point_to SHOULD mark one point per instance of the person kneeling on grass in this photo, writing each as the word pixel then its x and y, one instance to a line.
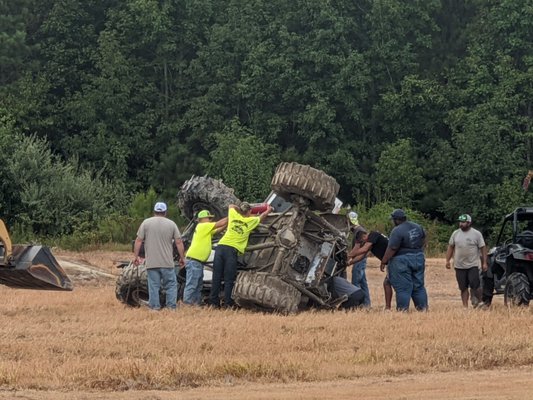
pixel 376 243
pixel 355 295
pixel 198 253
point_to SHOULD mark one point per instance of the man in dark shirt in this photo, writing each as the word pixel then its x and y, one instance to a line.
pixel 376 243
pixel 406 261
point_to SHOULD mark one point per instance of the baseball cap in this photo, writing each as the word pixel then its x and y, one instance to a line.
pixel 464 218
pixel 245 206
pixel 398 214
pixel 160 207
pixel 205 214
pixel 352 215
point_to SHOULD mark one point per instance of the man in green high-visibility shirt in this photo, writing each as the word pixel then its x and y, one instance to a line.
pixel 198 253
pixel 233 243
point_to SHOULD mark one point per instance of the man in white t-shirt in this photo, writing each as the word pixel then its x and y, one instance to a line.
pixel 469 253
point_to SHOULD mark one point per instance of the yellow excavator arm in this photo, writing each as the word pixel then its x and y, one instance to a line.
pixel 6 242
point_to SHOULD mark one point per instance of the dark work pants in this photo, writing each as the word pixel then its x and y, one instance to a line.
pixel 356 299
pixel 224 266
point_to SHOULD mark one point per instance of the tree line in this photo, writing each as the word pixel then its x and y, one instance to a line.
pixel 425 104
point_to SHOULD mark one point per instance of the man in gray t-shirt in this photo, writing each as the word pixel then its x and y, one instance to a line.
pixel 159 234
pixel 469 253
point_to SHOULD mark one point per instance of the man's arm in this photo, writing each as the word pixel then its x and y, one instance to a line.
pixel 264 214
pixel 359 252
pixel 449 255
pixel 136 250
pixel 389 253
pixel 356 259
pixel 181 251
pixel 221 224
pixel 484 257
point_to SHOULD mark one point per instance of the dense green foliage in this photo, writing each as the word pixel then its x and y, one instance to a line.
pixel 425 104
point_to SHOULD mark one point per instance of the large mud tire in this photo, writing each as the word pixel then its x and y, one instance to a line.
pixel 132 286
pixel 517 290
pixel 303 180
pixel 205 193
pixel 266 292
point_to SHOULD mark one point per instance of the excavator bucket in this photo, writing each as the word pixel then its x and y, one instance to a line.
pixel 33 267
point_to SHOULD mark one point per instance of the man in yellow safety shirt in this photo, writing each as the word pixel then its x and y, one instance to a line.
pixel 240 224
pixel 198 253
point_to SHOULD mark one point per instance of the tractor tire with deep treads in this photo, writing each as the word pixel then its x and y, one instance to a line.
pixel 132 286
pixel 266 292
pixel 205 193
pixel 303 180
pixel 517 290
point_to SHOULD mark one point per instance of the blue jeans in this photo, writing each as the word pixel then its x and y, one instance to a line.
pixel 359 279
pixel 224 266
pixel 170 286
pixel 406 275
pixel 194 281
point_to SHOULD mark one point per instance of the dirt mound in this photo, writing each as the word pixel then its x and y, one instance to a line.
pixel 92 268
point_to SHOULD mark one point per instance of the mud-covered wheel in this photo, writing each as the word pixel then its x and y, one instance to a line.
pixel 517 290
pixel 132 286
pixel 263 291
pixel 205 193
pixel 313 184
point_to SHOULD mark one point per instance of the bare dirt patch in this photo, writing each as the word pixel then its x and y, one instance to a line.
pixel 92 268
pixel 498 384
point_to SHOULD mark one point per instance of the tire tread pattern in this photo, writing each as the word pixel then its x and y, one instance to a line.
pixel 517 290
pixel 306 181
pixel 205 191
pixel 266 291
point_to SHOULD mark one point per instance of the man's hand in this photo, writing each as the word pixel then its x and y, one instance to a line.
pixel 484 267
pixel 181 262
pixel 137 260
pixel 382 267
pixel 448 265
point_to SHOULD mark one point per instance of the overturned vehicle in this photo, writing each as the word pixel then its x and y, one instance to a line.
pixel 511 261
pixel 291 258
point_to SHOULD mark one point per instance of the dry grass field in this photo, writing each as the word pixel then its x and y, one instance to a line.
pixel 85 344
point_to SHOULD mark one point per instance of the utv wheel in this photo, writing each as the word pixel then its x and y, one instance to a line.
pixel 263 291
pixel 303 180
pixel 205 193
pixel 132 287
pixel 517 290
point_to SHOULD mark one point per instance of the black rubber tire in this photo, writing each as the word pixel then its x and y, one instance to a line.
pixel 303 180
pixel 266 292
pixel 517 290
pixel 132 287
pixel 205 193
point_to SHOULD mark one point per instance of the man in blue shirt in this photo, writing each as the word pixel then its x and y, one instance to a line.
pixel 407 264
